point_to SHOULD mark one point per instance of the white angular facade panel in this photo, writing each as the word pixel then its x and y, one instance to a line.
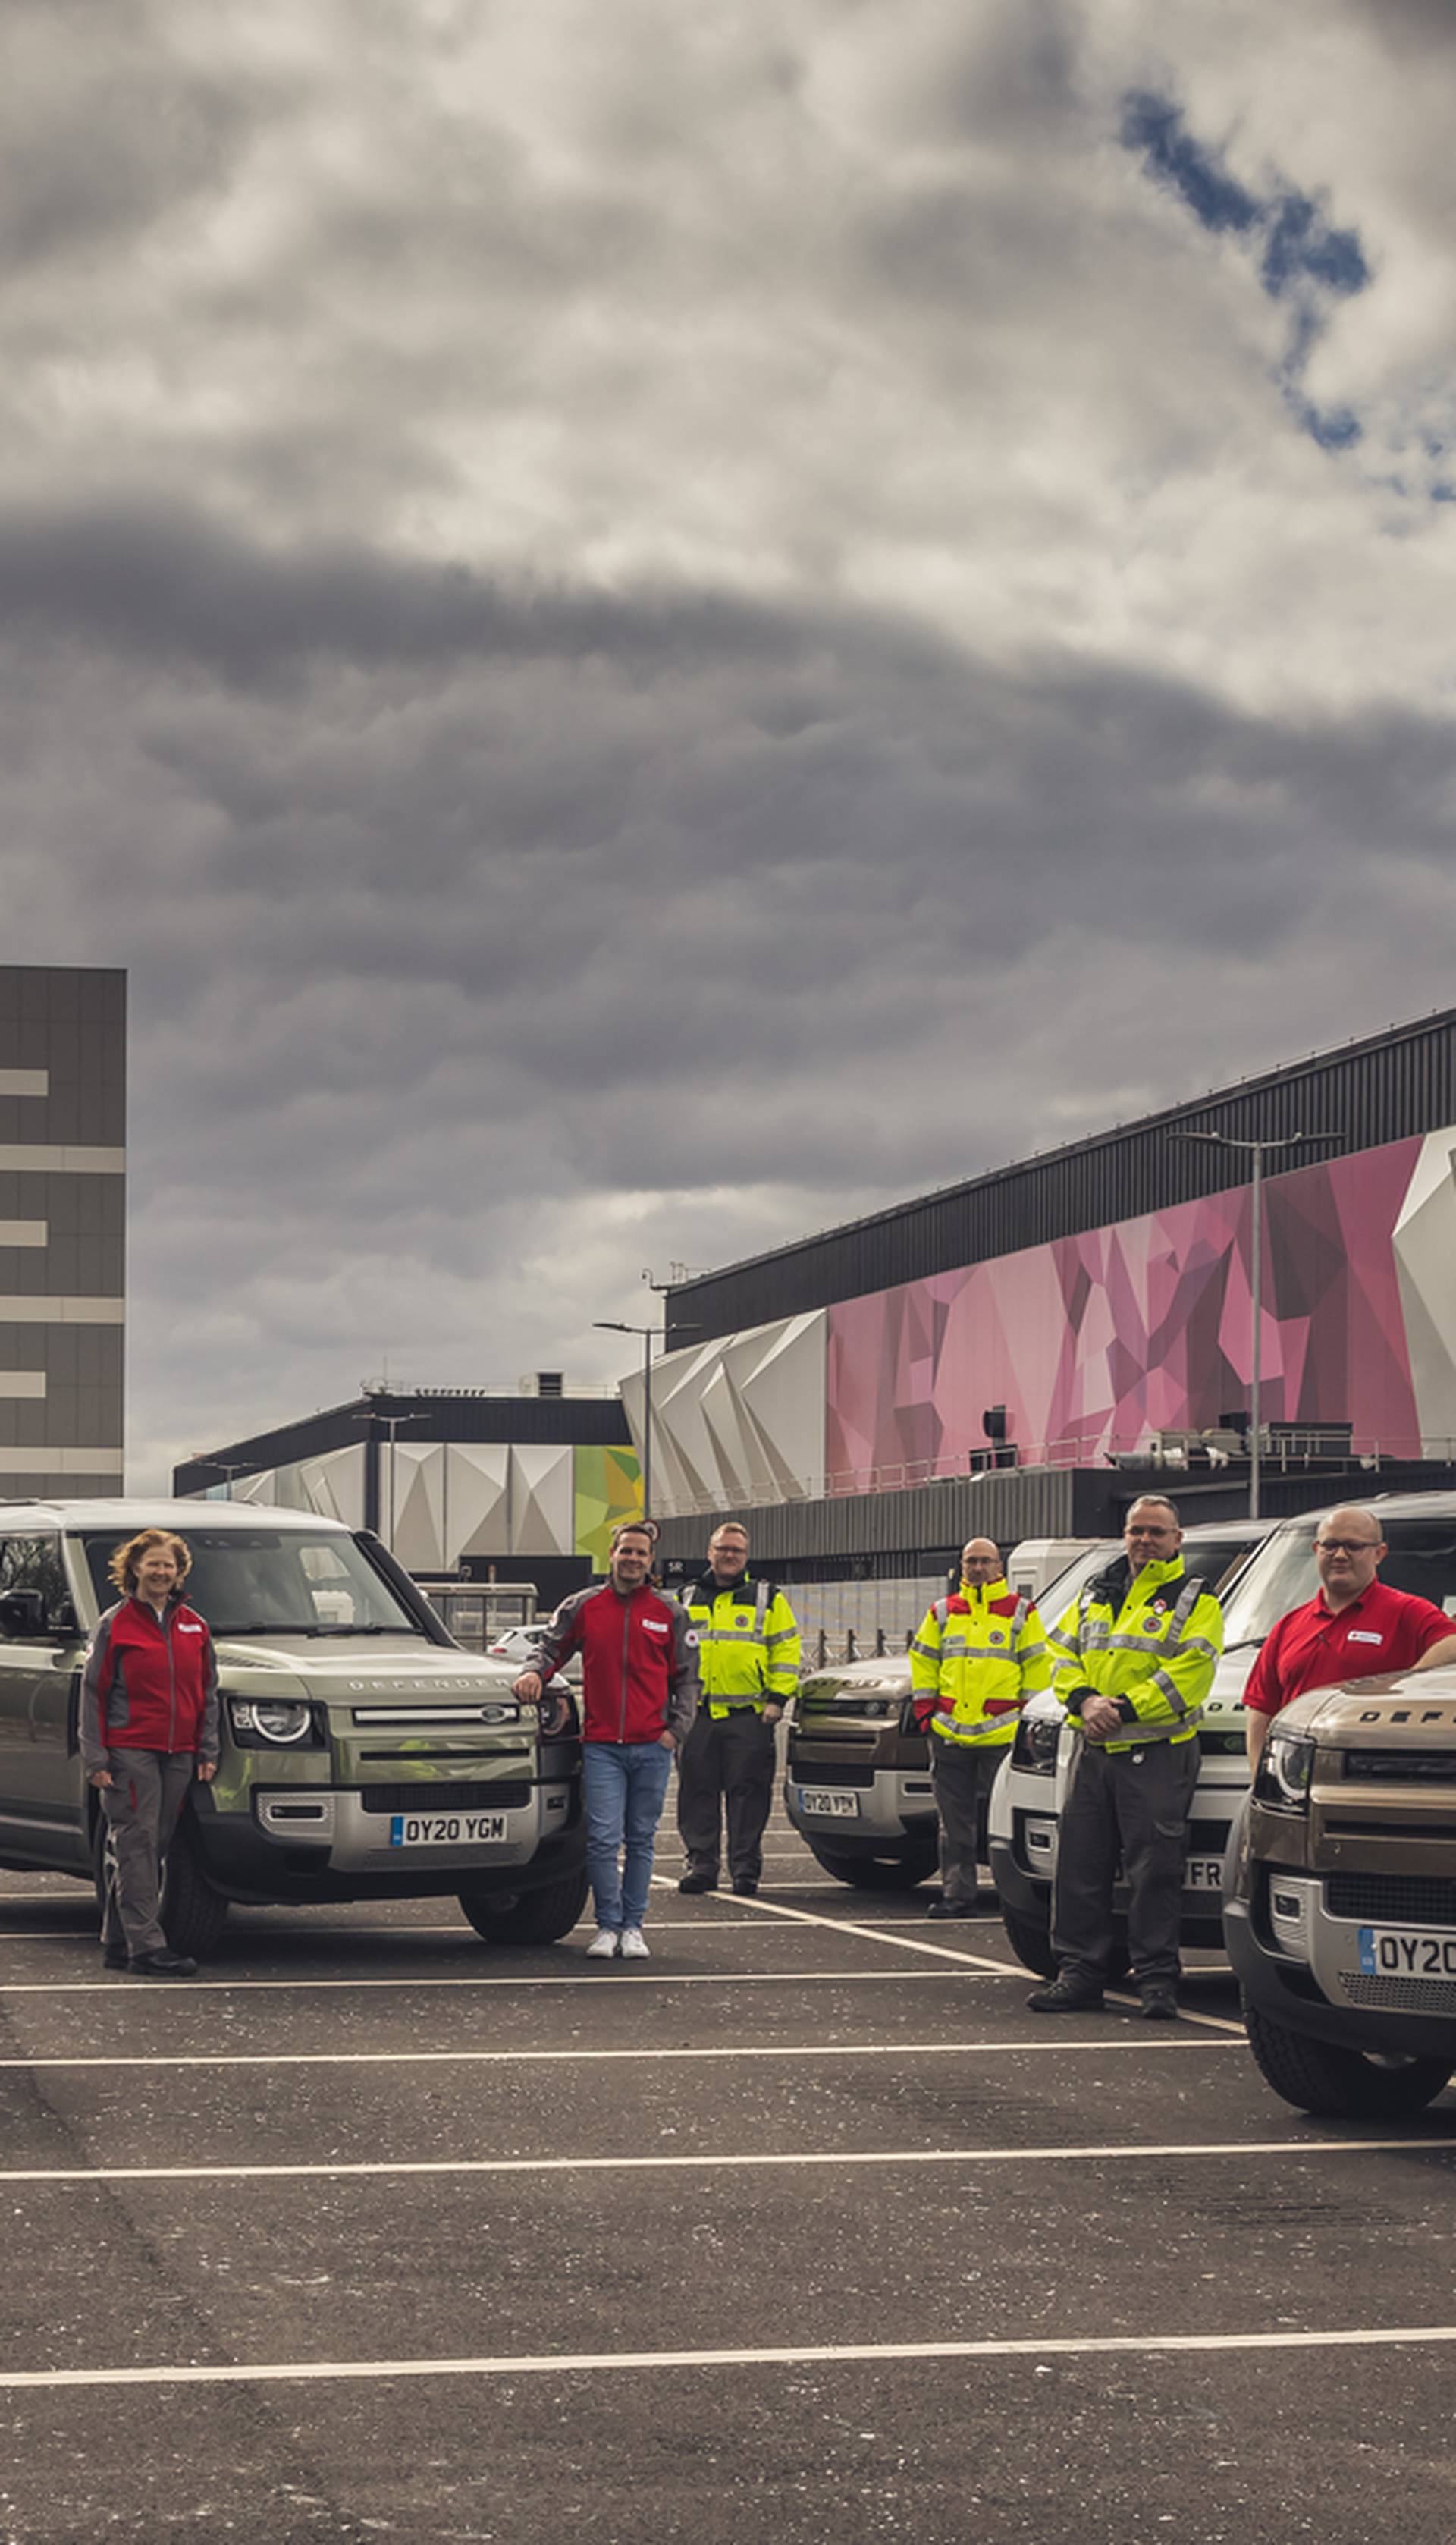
pixel 411 1480
pixel 542 1499
pixel 476 1479
pixel 737 1420
pixel 1424 1248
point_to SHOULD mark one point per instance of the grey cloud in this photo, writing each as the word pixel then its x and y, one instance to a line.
pixel 614 660
pixel 104 129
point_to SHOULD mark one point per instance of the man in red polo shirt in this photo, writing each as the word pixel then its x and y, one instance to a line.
pixel 1354 1627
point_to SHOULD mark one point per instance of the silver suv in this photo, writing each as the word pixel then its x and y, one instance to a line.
pixel 365 1756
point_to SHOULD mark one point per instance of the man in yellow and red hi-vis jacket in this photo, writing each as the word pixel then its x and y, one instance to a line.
pixel 979 1655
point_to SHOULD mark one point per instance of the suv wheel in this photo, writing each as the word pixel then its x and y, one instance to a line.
pixel 1341 2085
pixel 192 1913
pixel 1030 1941
pixel 875 1872
pixel 542 1917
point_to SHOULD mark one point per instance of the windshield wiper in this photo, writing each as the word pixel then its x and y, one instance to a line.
pixel 370 1629
pixel 264 1626
pixel 295 1626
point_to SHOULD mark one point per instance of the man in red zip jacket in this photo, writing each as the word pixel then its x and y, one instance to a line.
pixel 639 1695
pixel 148 1724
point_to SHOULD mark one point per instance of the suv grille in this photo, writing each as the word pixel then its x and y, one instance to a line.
pixel 835 1771
pixel 1392 1899
pixel 445 1798
pixel 1408 1996
pixel 1401 1766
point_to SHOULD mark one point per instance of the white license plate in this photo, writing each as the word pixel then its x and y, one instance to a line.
pixel 445 1829
pixel 1204 1874
pixel 1408 1953
pixel 829 1802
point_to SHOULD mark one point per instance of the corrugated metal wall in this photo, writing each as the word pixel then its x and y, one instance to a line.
pixel 1397 1083
pixel 1031 1502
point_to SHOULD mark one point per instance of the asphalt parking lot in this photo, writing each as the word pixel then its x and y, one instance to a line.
pixel 806 2230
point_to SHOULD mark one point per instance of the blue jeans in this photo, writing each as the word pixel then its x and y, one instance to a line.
pixel 624 1785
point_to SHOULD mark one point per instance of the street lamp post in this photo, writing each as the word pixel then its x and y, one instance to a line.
pixel 1256 1151
pixel 650 1335
pixel 392 1423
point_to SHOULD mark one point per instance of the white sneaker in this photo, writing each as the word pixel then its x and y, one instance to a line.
pixel 634 1945
pixel 605 1946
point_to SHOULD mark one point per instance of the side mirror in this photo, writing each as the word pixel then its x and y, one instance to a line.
pixel 22 1613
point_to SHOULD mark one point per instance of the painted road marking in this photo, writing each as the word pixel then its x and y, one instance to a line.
pixel 758 2159
pixel 969 1962
pixel 576 2364
pixel 633 1977
pixel 1121 2042
pixel 257 1937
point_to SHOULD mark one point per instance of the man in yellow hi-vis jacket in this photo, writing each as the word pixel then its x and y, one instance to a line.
pixel 1135 1659
pixel 749 1663
pixel 980 1653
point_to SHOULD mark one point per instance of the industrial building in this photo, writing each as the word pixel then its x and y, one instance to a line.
pixel 1021 1353
pixel 62 1229
pixel 487 1484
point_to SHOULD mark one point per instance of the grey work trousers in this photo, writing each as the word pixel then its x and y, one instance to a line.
pixel 726 1766
pixel 961 1777
pixel 1132 1803
pixel 141 1804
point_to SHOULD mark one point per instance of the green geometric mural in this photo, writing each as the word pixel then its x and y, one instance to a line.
pixel 608 1490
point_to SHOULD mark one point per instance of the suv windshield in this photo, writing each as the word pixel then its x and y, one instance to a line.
pixel 1282 1576
pixel 1214 1560
pixel 274 1582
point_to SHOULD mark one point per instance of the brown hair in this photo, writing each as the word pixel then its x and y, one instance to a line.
pixel 124 1564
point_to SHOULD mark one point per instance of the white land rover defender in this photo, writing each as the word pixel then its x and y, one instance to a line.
pixel 1027 1797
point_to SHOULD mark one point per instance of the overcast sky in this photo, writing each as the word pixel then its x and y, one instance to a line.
pixel 650 626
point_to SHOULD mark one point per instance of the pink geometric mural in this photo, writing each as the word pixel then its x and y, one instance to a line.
pixel 1096 1341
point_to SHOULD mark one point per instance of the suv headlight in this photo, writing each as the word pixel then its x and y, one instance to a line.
pixel 274 1723
pixel 1036 1746
pixel 1285 1770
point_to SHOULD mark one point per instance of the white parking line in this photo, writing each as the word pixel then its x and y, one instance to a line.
pixel 981 1962
pixel 601 1975
pixel 758 2159
pixel 1122 2041
pixel 452 1927
pixel 576 2364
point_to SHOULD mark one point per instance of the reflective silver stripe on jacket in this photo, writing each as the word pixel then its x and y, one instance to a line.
pixel 1141 1736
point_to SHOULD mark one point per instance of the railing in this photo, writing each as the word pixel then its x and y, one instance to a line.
pixel 857 1646
pixel 1284 1448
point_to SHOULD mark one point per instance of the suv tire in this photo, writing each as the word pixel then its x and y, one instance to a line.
pixel 192 1913
pixel 1338 2083
pixel 541 1917
pixel 875 1872
pixel 1030 1941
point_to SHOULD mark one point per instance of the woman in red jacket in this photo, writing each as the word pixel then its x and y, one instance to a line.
pixel 148 1724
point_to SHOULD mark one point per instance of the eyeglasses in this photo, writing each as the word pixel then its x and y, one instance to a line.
pixel 1344 1545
